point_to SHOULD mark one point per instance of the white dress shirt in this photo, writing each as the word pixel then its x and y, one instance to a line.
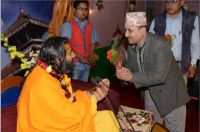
pixel 174 28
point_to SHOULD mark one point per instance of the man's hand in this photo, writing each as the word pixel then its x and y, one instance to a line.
pixel 191 71
pixel 92 59
pixel 102 89
pixel 82 59
pixel 124 74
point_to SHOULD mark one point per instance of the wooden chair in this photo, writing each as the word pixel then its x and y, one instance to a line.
pixel 10 82
pixel 157 127
pixel 10 90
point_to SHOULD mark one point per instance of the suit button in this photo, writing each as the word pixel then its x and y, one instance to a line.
pixel 160 91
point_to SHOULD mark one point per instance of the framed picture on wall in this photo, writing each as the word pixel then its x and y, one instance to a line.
pixel 131 6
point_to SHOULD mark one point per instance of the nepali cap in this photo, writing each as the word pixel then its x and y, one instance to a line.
pixel 136 19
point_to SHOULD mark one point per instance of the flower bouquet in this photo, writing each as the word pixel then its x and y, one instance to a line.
pixel 92 59
pixel 117 53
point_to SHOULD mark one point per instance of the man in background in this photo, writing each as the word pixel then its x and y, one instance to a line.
pixel 183 26
pixel 83 38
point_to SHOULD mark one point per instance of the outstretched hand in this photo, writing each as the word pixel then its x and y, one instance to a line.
pixel 102 89
pixel 83 59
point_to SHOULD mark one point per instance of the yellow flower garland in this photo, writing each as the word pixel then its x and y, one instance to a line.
pixel 26 64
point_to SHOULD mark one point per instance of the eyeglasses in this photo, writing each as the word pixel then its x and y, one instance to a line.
pixel 171 1
pixel 82 9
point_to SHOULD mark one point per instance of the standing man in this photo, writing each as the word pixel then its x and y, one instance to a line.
pixel 183 26
pixel 151 66
pixel 82 37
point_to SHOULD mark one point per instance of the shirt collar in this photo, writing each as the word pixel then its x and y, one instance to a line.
pixel 180 15
pixel 135 48
pixel 80 22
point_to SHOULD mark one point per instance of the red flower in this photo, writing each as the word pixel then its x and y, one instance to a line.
pixel 109 54
pixel 116 56
pixel 168 38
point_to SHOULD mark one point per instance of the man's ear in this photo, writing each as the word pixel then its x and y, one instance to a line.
pixel 74 10
pixel 143 29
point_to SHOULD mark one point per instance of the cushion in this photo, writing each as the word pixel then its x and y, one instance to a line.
pixel 10 96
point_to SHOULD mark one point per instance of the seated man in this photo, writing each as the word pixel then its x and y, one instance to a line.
pixel 48 102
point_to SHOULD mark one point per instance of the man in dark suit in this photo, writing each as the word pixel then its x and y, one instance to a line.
pixel 150 65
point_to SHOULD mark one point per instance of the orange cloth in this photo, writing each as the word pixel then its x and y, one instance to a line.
pixel 62 11
pixel 42 106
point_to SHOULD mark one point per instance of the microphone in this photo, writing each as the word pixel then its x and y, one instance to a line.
pixel 96 80
pixel 93 80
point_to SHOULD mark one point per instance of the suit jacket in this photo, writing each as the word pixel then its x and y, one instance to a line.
pixel 161 76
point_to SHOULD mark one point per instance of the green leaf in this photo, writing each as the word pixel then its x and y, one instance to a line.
pixel 145 122
pixel 139 124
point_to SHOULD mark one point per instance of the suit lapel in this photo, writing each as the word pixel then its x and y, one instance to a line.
pixel 147 48
pixel 133 59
